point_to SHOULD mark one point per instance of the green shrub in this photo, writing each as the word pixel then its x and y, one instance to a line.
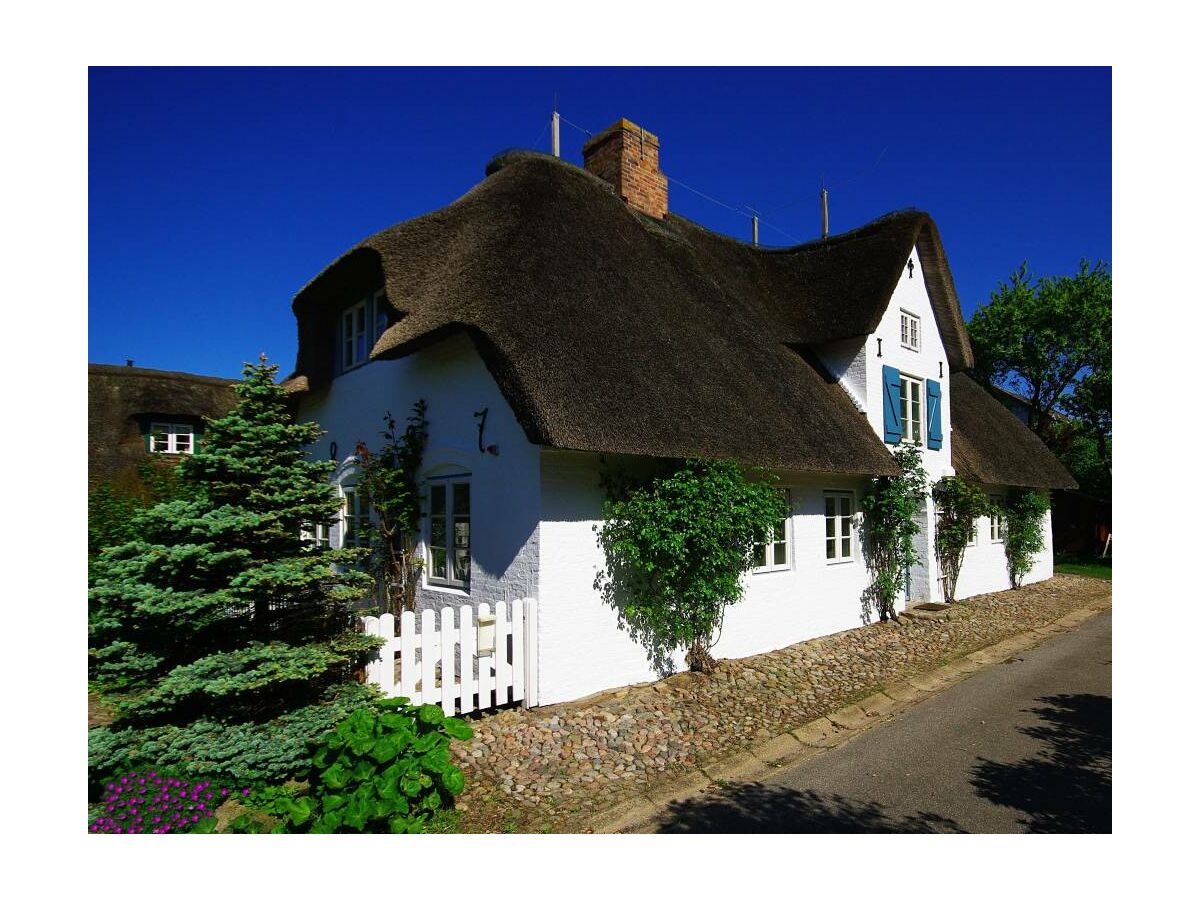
pixel 385 768
pixel 891 507
pixel 960 504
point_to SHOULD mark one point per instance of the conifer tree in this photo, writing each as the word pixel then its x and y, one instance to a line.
pixel 219 633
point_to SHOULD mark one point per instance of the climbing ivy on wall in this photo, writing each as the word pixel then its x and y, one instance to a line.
pixel 389 477
pixel 1023 510
pixel 891 506
pixel 960 505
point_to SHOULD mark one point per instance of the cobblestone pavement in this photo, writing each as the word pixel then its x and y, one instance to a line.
pixel 553 768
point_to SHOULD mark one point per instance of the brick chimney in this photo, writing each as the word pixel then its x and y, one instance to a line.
pixel 626 156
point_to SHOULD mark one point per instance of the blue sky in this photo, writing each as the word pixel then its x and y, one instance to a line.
pixel 216 194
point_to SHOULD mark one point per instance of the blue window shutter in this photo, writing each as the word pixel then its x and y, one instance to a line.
pixel 891 405
pixel 933 390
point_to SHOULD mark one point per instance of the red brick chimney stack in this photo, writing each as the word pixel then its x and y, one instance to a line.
pixel 626 156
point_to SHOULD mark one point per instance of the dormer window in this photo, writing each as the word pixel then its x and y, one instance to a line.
pixel 362 324
pixel 910 331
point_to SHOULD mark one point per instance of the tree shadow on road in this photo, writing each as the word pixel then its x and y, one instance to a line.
pixel 756 808
pixel 1067 786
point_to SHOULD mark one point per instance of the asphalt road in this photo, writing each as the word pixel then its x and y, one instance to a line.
pixel 1024 746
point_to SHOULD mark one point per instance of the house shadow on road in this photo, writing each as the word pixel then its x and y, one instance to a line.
pixel 756 808
pixel 1067 785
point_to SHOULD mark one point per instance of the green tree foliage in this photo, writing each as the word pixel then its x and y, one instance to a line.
pixel 1024 511
pixel 218 618
pixel 960 505
pixel 113 505
pixel 677 546
pixel 891 507
pixel 1051 341
pixel 390 479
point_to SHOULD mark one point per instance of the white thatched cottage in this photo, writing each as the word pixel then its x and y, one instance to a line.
pixel 595 327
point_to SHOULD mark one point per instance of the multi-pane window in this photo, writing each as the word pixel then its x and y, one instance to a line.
pixel 839 526
pixel 356 517
pixel 317 536
pixel 172 438
pixel 910 331
pixel 974 538
pixel 771 552
pixel 450 533
pixel 997 519
pixel 910 409
pixel 362 324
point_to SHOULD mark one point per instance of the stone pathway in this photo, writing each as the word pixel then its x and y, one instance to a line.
pixel 556 768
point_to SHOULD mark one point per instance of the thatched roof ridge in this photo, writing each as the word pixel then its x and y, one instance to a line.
pixel 611 331
pixel 991 446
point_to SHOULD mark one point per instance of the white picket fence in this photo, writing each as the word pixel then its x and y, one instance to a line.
pixel 463 665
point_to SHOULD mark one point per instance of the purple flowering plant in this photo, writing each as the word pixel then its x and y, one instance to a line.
pixel 157 803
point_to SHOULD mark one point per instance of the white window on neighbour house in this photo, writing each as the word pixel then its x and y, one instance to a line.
pixel 771 553
pixel 449 536
pixel 362 325
pixel 910 409
pixel 910 331
pixel 839 526
pixel 172 438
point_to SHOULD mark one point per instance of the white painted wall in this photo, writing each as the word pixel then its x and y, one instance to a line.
pixel 505 492
pixel 583 649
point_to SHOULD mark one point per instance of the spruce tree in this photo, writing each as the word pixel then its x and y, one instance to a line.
pixel 222 637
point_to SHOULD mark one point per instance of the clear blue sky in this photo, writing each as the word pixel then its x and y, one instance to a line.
pixel 216 194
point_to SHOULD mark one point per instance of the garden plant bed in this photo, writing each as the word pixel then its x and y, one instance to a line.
pixel 557 768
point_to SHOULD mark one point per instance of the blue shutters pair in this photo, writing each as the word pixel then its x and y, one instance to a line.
pixel 892 413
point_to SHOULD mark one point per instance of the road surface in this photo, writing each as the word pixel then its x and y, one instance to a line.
pixel 1023 746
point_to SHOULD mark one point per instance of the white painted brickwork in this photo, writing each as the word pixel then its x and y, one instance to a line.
pixel 505 506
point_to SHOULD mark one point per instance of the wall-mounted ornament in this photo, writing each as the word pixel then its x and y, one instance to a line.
pixel 481 415
pixel 879 346
pixel 333 449
pixel 911 265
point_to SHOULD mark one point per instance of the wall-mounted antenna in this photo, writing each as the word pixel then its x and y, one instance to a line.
pixel 824 211
pixel 554 129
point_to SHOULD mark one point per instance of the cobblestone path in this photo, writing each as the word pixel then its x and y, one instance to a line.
pixel 552 768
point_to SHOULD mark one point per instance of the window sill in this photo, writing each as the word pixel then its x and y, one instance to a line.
pixel 770 570
pixel 841 562
pixel 456 590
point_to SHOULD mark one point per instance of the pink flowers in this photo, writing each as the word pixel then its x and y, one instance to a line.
pixel 151 804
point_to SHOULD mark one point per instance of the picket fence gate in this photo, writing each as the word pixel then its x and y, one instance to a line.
pixel 463 666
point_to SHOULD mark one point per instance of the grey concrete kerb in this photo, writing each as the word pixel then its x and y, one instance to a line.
pixel 827 732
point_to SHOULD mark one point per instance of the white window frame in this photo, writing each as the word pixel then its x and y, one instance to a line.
pixel 773 540
pixel 910 331
pixel 912 391
pixel 355 343
pixel 843 529
pixel 318 535
pixel 173 431
pixel 973 540
pixel 360 534
pixel 996 520
pixel 452 486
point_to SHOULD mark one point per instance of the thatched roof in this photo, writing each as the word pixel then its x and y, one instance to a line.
pixel 990 445
pixel 123 399
pixel 611 331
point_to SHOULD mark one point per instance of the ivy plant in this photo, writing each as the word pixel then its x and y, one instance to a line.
pixel 384 768
pixel 960 504
pixel 1024 511
pixel 677 545
pixel 389 477
pixel 891 507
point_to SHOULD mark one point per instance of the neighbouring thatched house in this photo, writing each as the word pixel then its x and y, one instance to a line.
pixel 135 415
pixel 559 320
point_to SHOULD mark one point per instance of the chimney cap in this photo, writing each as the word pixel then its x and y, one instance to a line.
pixel 619 126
